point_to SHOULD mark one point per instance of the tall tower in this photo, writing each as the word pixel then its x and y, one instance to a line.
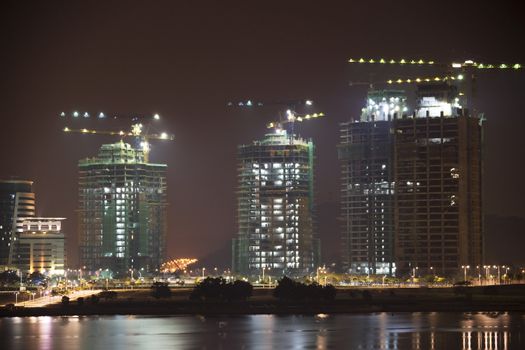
pixel 17 200
pixel 437 172
pixel 275 207
pixel 367 185
pixel 122 210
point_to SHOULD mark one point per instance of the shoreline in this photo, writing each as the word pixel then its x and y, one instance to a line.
pixel 209 309
pixel 510 298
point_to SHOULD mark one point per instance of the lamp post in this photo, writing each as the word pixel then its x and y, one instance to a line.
pixel 16 298
pixel 497 270
pixel 479 274
pixel 465 268
pixel 203 269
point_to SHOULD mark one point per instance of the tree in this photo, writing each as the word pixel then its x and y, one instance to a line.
pixel 9 277
pixel 108 294
pixel 65 301
pixel 219 289
pixel 160 290
pixel 288 289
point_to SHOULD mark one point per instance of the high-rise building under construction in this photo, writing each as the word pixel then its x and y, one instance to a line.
pixel 437 172
pixel 367 188
pixel 417 178
pixel 122 210
pixel 275 207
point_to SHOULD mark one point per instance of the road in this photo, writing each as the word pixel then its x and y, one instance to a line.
pixel 47 300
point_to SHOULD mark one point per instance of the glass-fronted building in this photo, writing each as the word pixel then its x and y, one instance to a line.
pixel 17 200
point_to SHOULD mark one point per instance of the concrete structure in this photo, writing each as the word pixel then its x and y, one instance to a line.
pixel 122 210
pixel 437 171
pixel 17 200
pixel 275 207
pixel 411 185
pixel 41 246
pixel 367 185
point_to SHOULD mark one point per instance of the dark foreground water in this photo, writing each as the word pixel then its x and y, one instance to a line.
pixel 356 331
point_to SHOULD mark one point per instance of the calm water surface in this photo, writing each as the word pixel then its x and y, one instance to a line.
pixel 361 331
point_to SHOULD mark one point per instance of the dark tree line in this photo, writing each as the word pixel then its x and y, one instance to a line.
pixel 220 289
pixel 288 289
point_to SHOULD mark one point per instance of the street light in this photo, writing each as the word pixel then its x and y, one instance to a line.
pixel 203 269
pixel 465 268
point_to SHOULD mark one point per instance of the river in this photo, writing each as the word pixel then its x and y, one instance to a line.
pixel 350 331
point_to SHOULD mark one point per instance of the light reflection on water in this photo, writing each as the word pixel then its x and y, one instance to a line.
pixel 357 331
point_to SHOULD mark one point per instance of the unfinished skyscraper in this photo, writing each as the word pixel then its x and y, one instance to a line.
pixel 275 207
pixel 367 185
pixel 437 172
pixel 411 185
pixel 122 210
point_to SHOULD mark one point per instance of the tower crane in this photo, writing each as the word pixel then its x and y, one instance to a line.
pixel 139 129
pixel 461 72
pixel 290 115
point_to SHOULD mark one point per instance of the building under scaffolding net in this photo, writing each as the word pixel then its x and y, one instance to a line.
pixel 122 210
pixel 275 207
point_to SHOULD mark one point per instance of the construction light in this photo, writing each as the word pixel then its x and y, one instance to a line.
pixel 460 77
pixel 66 129
pixel 101 115
pixel 361 60
pixel 351 60
pixel 85 130
pixel 86 115
pixel 371 61
pixel 164 136
pixel 309 102
pixel 382 61
pixel 402 61
pixel 63 114
pixel 503 66
pixel 75 114
pixel 516 66
pixel 392 62
pixel 421 62
pixel 156 117
pixel 321 114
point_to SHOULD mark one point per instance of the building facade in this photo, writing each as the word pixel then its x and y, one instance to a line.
pixel 41 246
pixel 275 207
pixel 367 185
pixel 17 200
pixel 437 172
pixel 122 210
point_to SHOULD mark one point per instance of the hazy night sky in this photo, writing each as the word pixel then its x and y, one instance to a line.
pixel 186 62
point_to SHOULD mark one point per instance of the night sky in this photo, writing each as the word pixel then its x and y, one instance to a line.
pixel 186 60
